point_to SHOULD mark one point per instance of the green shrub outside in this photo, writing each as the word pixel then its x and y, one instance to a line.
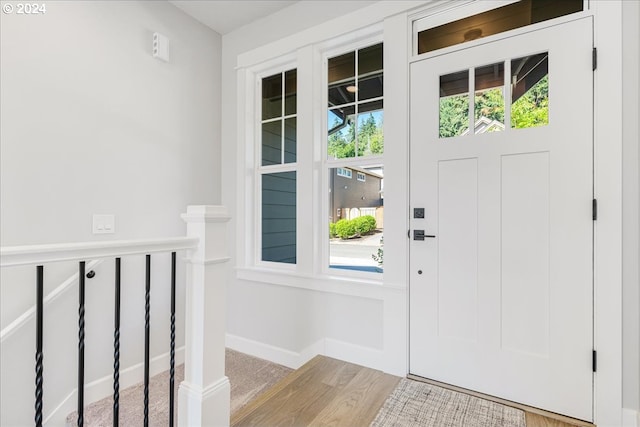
pixel 346 228
pixel 361 225
pixel 372 222
pixel 332 230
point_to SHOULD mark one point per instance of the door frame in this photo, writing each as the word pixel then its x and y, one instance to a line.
pixel 607 135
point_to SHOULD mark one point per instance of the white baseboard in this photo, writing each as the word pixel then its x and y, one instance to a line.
pixel 352 353
pixel 281 356
pixel 630 418
pixel 365 356
pixel 204 407
pixel 103 387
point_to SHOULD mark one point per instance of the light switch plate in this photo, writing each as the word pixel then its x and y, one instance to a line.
pixel 104 224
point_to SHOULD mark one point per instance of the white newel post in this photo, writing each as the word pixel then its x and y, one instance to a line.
pixel 203 397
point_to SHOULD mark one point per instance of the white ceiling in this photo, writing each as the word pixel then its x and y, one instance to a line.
pixel 226 16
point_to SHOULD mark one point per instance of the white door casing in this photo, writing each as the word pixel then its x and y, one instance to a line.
pixel 504 301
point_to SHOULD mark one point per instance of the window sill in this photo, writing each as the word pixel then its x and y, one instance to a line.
pixel 342 285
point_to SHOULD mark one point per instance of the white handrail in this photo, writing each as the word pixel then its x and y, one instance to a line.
pixel 52 296
pixel 11 256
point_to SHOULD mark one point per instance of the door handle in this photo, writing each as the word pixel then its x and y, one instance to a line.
pixel 419 235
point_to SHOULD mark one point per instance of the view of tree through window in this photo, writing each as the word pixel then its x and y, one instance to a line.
pixel 370 136
pixel 532 109
pixel 529 97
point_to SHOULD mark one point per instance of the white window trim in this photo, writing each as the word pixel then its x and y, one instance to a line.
pixel 327 164
pixel 361 177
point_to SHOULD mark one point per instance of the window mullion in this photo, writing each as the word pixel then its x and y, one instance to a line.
pixel 357 98
pixel 282 111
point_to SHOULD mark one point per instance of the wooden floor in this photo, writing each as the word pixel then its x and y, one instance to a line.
pixel 327 391
pixel 324 391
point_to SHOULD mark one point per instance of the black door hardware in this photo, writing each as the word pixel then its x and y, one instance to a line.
pixel 419 235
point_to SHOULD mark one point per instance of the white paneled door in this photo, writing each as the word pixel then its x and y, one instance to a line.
pixel 501 292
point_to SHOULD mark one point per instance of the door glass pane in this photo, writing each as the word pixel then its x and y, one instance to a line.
pixel 290 127
pixel 530 91
pixel 489 102
pixel 356 218
pixel 272 143
pixel 454 104
pixel 272 97
pixel 279 217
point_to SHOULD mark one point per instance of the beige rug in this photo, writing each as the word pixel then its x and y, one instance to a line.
pixel 414 403
pixel 249 376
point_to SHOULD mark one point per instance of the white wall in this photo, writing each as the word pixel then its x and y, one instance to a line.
pixel 630 203
pixel 91 123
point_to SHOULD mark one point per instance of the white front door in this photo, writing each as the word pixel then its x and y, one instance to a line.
pixel 501 297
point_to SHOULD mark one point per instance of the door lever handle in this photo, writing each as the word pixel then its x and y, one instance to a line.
pixel 419 235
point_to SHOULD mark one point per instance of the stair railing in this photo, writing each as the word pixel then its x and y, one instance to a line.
pixel 204 395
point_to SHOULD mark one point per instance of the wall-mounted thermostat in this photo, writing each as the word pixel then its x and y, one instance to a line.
pixel 160 47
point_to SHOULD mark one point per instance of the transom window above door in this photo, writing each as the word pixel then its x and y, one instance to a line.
pixel 516 15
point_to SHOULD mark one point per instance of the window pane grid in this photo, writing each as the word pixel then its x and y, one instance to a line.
pixel 355 102
pixel 277 119
pixel 279 146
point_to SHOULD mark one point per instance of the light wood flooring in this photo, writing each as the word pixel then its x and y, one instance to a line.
pixel 326 392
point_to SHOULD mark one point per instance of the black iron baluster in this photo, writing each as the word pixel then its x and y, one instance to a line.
pixel 81 277
pixel 39 366
pixel 146 339
pixel 172 361
pixel 116 350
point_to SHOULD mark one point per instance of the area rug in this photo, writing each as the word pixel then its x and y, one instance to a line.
pixel 414 403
